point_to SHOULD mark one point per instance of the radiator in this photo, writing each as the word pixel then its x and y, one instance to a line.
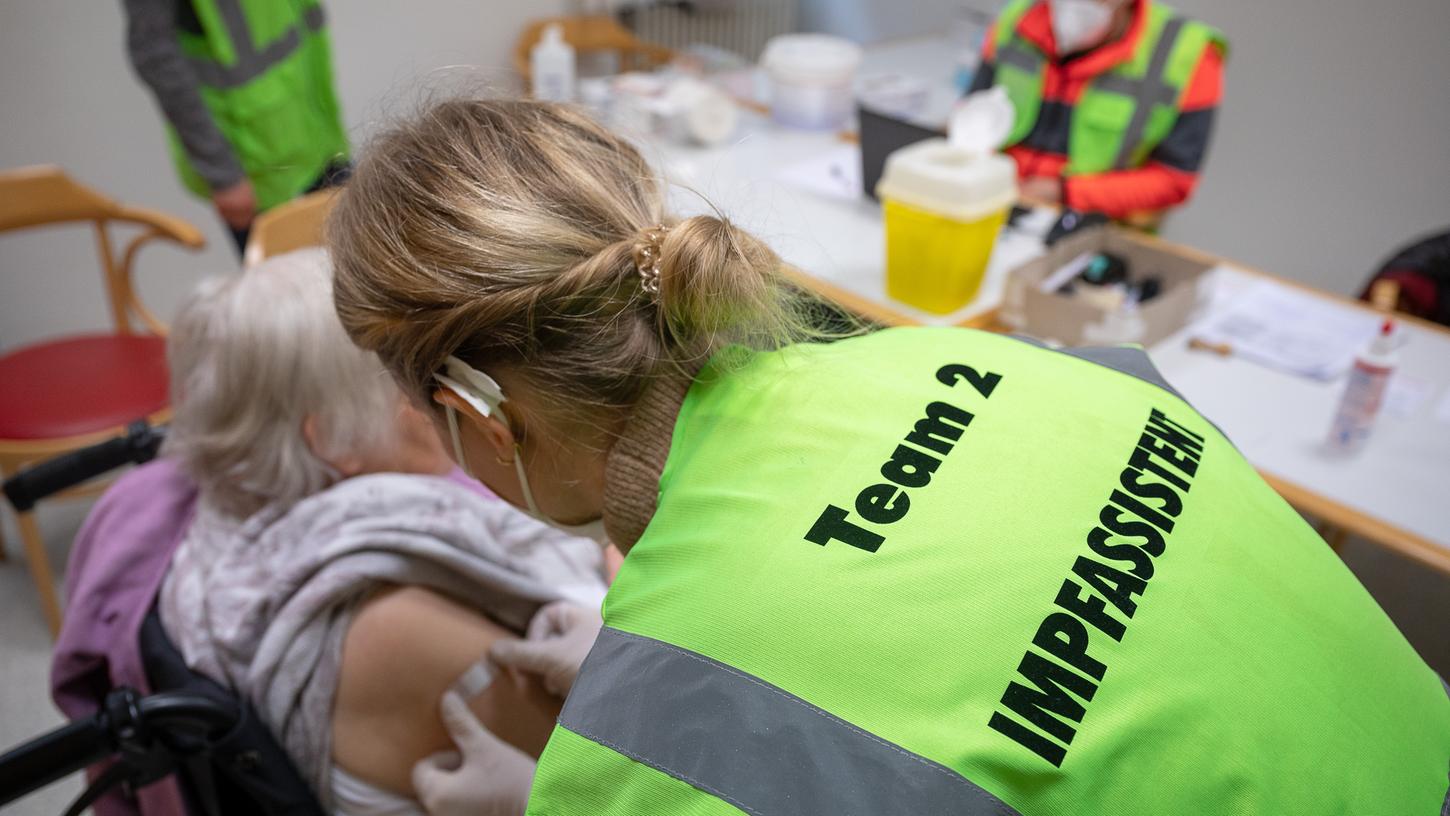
pixel 742 26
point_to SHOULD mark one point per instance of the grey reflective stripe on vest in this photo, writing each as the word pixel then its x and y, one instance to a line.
pixel 1129 360
pixel 1134 362
pixel 1445 806
pixel 251 63
pixel 1023 59
pixel 749 743
pixel 1150 90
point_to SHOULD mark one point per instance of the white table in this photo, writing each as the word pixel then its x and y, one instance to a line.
pixel 1394 492
pixel 839 243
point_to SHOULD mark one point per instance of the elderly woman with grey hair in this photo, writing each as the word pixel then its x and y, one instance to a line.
pixel 336 573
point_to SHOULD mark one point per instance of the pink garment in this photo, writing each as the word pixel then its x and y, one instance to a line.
pixel 117 563
pixel 115 570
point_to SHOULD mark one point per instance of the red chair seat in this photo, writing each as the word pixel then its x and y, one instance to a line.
pixel 83 384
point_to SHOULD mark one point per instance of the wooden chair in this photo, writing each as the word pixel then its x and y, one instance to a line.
pixel 591 34
pixel 63 394
pixel 296 224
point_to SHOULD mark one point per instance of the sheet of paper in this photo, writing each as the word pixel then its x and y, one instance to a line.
pixel 1290 330
pixel 1405 394
pixel 834 174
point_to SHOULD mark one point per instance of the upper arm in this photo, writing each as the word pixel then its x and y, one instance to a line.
pixel 150 36
pixel 405 647
pixel 1205 86
pixel 989 43
pixel 1185 146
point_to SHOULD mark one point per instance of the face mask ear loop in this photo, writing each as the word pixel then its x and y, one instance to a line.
pixel 524 483
pixel 457 441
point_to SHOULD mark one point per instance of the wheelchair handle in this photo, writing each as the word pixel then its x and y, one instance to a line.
pixel 137 445
pixel 128 723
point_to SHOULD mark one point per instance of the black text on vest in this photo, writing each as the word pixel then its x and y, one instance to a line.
pixel 1051 690
pixel 910 466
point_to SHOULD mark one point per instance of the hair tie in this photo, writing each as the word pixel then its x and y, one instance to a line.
pixel 647 258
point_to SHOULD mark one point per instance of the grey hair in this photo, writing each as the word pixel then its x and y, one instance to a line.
pixel 253 356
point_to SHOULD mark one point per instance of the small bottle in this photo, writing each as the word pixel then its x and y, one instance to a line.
pixel 1364 392
pixel 553 66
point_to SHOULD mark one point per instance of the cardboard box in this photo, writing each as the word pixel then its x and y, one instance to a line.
pixel 1074 322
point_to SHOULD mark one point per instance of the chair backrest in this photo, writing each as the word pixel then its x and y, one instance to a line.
pixel 31 196
pixel 296 224
pixel 590 34
pixel 40 195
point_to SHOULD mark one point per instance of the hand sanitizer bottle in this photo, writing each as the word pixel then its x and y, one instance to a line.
pixel 553 66
pixel 1364 393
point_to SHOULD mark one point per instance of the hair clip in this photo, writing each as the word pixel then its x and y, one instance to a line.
pixel 647 259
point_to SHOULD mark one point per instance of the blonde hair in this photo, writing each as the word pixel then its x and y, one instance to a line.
pixel 512 232
pixel 252 357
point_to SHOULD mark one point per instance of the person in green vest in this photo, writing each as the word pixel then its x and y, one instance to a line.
pixel 921 570
pixel 1115 101
pixel 246 88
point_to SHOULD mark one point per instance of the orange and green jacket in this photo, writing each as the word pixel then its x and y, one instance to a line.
pixel 1170 171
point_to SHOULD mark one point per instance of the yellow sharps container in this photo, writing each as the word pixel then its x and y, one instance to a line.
pixel 943 207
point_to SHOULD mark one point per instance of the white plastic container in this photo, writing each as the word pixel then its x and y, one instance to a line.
pixel 695 112
pixel 1364 393
pixel 680 109
pixel 552 64
pixel 810 79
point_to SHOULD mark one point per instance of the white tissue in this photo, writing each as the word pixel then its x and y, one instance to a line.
pixel 981 122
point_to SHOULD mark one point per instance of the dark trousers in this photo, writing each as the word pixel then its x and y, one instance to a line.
pixel 335 174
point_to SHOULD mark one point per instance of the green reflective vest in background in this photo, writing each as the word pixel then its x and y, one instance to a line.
pixel 265 72
pixel 935 571
pixel 1123 114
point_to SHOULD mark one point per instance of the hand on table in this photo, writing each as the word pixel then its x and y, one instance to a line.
pixel 237 204
pixel 559 638
pixel 1042 190
pixel 484 777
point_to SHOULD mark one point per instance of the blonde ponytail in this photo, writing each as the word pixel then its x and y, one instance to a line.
pixel 514 234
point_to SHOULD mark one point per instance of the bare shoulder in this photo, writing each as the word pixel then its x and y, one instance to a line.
pixel 410 641
pixel 405 647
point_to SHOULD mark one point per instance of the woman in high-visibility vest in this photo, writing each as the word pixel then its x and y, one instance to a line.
pixel 914 571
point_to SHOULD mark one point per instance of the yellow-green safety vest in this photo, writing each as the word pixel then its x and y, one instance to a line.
pixel 265 71
pixel 1122 114
pixel 937 571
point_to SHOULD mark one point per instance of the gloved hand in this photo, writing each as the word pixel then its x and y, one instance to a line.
pixel 558 640
pixel 484 777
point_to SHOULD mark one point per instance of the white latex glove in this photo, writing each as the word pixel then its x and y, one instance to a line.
pixel 558 640
pixel 484 777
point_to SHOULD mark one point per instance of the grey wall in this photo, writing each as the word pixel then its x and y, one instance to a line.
pixel 69 98
pixel 1334 142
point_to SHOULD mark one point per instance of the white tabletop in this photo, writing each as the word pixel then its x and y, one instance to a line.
pixel 833 238
pixel 1278 420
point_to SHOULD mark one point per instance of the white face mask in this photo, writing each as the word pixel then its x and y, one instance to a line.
pixel 484 394
pixel 1078 25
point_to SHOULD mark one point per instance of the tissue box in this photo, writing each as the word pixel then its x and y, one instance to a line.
pixel 1074 322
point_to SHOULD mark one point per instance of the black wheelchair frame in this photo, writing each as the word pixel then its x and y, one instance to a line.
pixel 225 758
